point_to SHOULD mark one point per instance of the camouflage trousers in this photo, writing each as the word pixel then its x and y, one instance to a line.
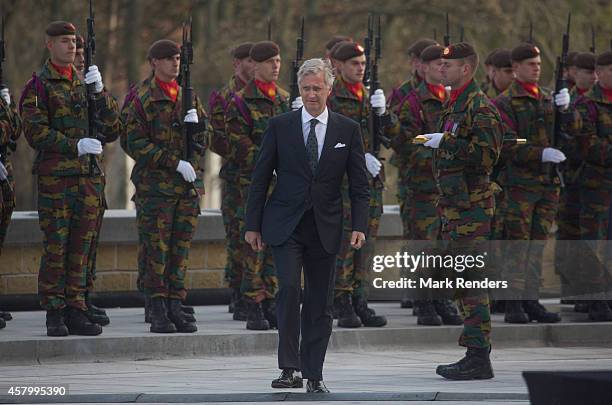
pixel 529 214
pixel 259 280
pixel 7 205
pixel 230 204
pixel 403 201
pixel 462 230
pixel 352 265
pixel 68 211
pixel 165 229
pixel 91 272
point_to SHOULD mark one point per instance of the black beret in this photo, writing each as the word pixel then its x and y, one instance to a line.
pixel 347 50
pixel 488 60
pixel 164 48
pixel 604 59
pixel 334 48
pixel 417 47
pixel 459 50
pixel 80 42
pixel 432 52
pixel 242 51
pixel 525 51
pixel 585 60
pixel 264 50
pixel 570 58
pixel 57 28
pixel 502 58
pixel 335 39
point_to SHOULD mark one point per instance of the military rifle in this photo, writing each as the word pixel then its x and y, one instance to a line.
pixel 297 62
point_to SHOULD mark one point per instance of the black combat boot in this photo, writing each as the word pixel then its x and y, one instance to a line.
pixel 536 312
pixel 188 310
pixel 256 319
pixel 234 298
pixel 55 323
pixel 599 311
pixel 95 314
pixel 476 365
pixel 78 323
pixel 160 323
pixel 178 317
pixel 269 308
pixel 367 315
pixel 347 318
pixel 2 323
pixel 515 313
pixel 241 310
pixel 448 312
pixel 288 380
pixel 6 315
pixel 405 303
pixel 426 313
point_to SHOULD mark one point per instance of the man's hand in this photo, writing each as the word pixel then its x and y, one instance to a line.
pixel 297 103
pixel 562 99
pixel 357 240
pixel 254 239
pixel 434 140
pixel 93 76
pixel 378 102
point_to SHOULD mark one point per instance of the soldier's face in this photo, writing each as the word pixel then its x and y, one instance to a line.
pixel 604 75
pixel 167 69
pixel 585 78
pixel 244 68
pixel 353 69
pixel 314 92
pixel 452 72
pixel 503 77
pixel 432 71
pixel 62 49
pixel 269 69
pixel 79 60
pixel 571 73
pixel 528 70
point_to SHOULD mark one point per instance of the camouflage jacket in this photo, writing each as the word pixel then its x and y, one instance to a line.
pixel 343 101
pixel 595 139
pixel 153 137
pixel 400 92
pixel 469 149
pixel 246 119
pixel 217 104
pixel 54 114
pixel 491 91
pixel 10 131
pixel 525 116
pixel 419 113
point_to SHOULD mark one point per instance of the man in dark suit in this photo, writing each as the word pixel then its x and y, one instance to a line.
pixel 310 150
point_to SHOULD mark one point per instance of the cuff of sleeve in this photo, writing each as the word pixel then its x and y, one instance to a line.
pixel 170 161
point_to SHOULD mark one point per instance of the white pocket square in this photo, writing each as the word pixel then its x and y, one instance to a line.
pixel 339 145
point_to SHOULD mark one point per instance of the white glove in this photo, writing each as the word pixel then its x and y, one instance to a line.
pixel 434 140
pixel 93 76
pixel 192 116
pixel 562 99
pixel 297 103
pixel 378 102
pixel 6 96
pixel 3 172
pixel 372 164
pixel 448 89
pixel 552 155
pixel 89 146
pixel 186 170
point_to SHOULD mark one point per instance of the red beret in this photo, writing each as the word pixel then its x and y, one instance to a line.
pixel 57 28
pixel 164 48
pixel 432 52
pixel 585 60
pixel 264 50
pixel 242 51
pixel 347 50
pixel 525 51
pixel 459 50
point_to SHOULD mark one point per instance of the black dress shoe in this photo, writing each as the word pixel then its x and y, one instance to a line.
pixel 288 380
pixel 316 386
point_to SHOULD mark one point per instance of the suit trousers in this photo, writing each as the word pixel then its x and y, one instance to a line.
pixel 304 250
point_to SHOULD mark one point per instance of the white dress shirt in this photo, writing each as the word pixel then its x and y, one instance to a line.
pixel 320 129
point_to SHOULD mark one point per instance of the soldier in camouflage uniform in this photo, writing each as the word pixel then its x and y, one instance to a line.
pixel 350 98
pixel 168 186
pixel 10 130
pixel 94 313
pixel 246 118
pixel 465 152
pixel 595 184
pixel 531 193
pixel 488 67
pixel 68 165
pixel 502 74
pixel 419 113
pixel 230 201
